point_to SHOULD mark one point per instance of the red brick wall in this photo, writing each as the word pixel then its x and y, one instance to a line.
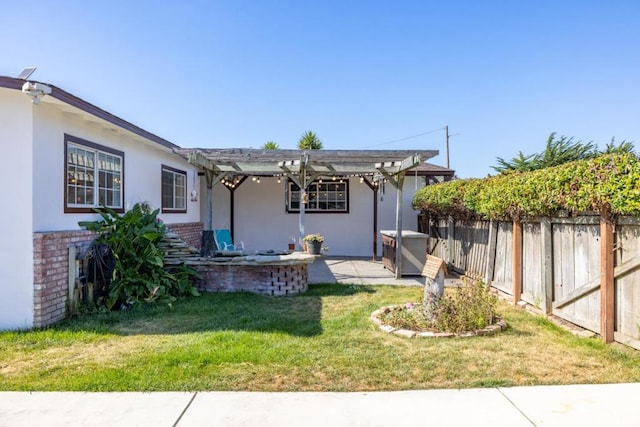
pixel 278 280
pixel 51 268
pixel 190 232
pixel 51 273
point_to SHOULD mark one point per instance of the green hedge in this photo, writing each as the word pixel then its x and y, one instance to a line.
pixel 611 181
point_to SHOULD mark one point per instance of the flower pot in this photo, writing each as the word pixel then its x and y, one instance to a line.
pixel 292 246
pixel 314 247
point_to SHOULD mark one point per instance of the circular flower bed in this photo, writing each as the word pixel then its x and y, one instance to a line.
pixel 378 315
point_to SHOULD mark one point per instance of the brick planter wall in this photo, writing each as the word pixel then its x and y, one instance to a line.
pixel 190 232
pixel 51 273
pixel 277 280
pixel 51 268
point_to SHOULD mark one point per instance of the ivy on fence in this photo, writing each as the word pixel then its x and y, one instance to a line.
pixel 607 183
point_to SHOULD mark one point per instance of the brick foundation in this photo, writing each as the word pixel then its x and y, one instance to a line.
pixel 51 273
pixel 277 280
pixel 190 232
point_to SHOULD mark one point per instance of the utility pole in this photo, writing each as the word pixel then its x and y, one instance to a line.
pixel 446 136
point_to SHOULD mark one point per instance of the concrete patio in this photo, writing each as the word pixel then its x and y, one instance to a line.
pixel 360 271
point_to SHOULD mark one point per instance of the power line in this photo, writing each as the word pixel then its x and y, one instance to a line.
pixel 405 138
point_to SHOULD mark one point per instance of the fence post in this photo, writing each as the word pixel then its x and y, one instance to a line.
pixel 517 261
pixel 491 252
pixel 607 292
pixel 450 231
pixel 547 265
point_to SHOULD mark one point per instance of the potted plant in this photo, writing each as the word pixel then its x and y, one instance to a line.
pixel 292 243
pixel 313 243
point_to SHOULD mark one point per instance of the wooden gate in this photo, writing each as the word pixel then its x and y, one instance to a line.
pixel 576 272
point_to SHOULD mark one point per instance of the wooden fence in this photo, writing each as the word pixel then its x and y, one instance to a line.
pixel 584 270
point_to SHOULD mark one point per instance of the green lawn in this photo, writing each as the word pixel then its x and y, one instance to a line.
pixel 322 341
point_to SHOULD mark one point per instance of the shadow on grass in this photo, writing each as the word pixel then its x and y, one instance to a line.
pixel 298 315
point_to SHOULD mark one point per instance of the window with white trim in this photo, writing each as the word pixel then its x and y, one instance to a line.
pixel 322 196
pixel 174 190
pixel 94 176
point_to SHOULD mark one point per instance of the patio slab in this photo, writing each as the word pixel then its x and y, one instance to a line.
pixel 360 271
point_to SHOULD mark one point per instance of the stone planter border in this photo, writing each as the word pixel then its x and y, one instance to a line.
pixel 500 325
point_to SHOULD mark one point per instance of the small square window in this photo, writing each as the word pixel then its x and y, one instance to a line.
pixel 174 190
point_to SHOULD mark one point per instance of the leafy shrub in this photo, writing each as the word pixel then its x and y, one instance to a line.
pixel 608 183
pixel 139 274
pixel 467 308
pixel 409 316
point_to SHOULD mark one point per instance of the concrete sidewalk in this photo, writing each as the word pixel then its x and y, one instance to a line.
pixel 584 405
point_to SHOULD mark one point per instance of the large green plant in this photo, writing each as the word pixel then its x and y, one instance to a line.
pixel 608 183
pixel 139 274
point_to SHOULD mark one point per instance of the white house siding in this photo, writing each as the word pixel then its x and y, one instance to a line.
pixel 16 244
pixel 142 159
pixel 261 220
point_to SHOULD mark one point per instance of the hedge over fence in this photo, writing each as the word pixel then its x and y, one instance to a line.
pixel 608 181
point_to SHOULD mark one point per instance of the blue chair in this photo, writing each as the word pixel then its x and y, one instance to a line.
pixel 223 241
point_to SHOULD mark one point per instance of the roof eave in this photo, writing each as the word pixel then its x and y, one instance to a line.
pixel 74 101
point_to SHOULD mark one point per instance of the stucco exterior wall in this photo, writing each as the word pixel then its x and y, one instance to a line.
pixel 16 245
pixel 142 171
pixel 261 220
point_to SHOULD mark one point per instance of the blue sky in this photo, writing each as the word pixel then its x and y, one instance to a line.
pixel 502 75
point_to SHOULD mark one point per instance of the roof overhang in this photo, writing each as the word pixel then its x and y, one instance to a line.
pixel 59 96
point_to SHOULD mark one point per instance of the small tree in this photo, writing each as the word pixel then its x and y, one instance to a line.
pixel 270 145
pixel 309 141
pixel 559 151
pixel 622 148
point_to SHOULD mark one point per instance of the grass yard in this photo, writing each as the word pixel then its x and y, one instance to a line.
pixel 319 341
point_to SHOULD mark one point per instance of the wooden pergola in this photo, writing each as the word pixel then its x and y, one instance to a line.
pixel 303 167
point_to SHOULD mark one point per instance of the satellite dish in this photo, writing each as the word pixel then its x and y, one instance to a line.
pixel 24 75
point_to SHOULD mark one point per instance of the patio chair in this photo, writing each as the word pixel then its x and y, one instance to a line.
pixel 223 241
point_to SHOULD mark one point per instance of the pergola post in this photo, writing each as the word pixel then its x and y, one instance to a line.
pixel 207 247
pixel 400 184
pixel 374 189
pixel 303 191
pixel 232 205
pixel 395 173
